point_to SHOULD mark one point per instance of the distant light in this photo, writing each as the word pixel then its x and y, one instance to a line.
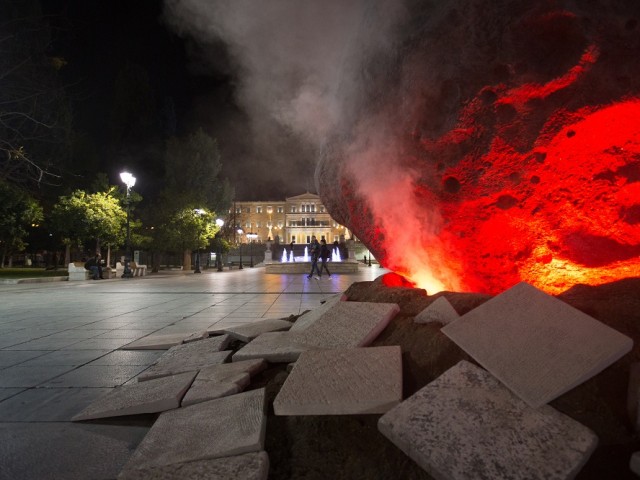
pixel 128 179
pixel 219 222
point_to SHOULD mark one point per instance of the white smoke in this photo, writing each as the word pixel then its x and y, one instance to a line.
pixel 298 63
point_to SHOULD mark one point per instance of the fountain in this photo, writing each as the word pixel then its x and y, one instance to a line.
pixel 335 255
pixel 284 255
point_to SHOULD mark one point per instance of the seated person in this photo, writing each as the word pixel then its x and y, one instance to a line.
pixel 94 265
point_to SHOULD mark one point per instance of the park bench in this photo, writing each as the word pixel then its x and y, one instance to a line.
pixel 78 272
pixel 138 270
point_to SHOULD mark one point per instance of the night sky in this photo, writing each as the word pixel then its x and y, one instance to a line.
pixel 99 38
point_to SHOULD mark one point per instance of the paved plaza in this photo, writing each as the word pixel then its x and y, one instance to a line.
pixel 59 351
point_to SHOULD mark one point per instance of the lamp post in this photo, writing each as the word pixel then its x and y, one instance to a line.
pixel 219 223
pixel 129 180
pixel 240 232
pixel 199 212
pixel 251 236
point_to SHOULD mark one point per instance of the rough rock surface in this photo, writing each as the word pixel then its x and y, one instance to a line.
pixel 507 136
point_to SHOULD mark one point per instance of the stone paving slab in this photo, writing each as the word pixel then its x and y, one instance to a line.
pixel 153 396
pixel 307 319
pixel 48 404
pixel 274 347
pixel 248 466
pixel 204 391
pixel 248 331
pixel 440 311
pixel 188 357
pixel 350 324
pixel 466 424
pixel 203 431
pixel 157 342
pixel 183 363
pixel 537 345
pixel 342 382
pixel 39 451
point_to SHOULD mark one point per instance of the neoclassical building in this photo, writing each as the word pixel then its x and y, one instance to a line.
pixel 296 218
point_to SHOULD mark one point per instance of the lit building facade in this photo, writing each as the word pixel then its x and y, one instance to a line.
pixel 297 218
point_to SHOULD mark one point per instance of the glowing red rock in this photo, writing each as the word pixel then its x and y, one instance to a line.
pixel 538 178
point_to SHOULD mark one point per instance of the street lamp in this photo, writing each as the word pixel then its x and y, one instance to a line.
pixel 251 236
pixel 219 223
pixel 129 180
pixel 240 232
pixel 198 211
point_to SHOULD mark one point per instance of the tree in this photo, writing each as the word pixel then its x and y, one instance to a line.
pixel 17 212
pixel 192 173
pixel 34 115
pixel 81 217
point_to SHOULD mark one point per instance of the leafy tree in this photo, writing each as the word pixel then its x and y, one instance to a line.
pixel 34 115
pixel 82 217
pixel 17 212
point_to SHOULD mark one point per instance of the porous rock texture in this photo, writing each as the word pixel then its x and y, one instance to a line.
pixel 497 142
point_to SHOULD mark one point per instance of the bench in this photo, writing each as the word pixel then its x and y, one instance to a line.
pixel 137 269
pixel 78 272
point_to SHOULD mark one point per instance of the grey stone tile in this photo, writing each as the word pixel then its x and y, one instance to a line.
pixel 146 397
pixel 202 431
pixel 42 451
pixel 466 424
pixel 248 466
pixel 248 331
pixel 66 357
pixel 96 376
pixel 157 341
pixel 14 357
pixel 44 344
pixel 18 376
pixel 129 357
pixel 311 316
pixel 440 311
pixel 48 404
pixel 537 345
pixel 342 382
pixel 9 392
pixel 205 390
pixel 183 362
pixel 98 344
pixel 275 347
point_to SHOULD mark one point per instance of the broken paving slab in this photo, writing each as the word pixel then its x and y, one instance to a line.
pixel 225 371
pixel 148 397
pixel 274 347
pixel 248 331
pixel 466 424
pixel 304 321
pixel 342 382
pixel 183 362
pixel 219 428
pixel 248 466
pixel 537 345
pixel 350 324
pixel 440 310
pixel 194 337
pixel 204 390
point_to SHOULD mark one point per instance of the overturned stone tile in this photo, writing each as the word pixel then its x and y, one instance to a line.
pixel 194 337
pixel 226 371
pixel 275 347
pixel 350 324
pixel 183 362
pixel 148 397
pixel 440 311
pixel 205 390
pixel 156 342
pixel 248 466
pixel 305 320
pixel 466 424
pixel 537 345
pixel 342 382
pixel 219 428
pixel 248 331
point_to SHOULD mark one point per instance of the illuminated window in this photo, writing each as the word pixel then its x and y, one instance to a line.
pixel 258 209
pixel 258 225
pixel 279 224
pixel 248 210
pixel 280 209
pixel 293 209
pixel 269 209
pixel 238 209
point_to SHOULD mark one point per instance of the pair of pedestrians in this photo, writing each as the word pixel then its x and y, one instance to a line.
pixel 319 251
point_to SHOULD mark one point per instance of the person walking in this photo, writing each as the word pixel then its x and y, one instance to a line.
pixel 325 252
pixel 314 251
